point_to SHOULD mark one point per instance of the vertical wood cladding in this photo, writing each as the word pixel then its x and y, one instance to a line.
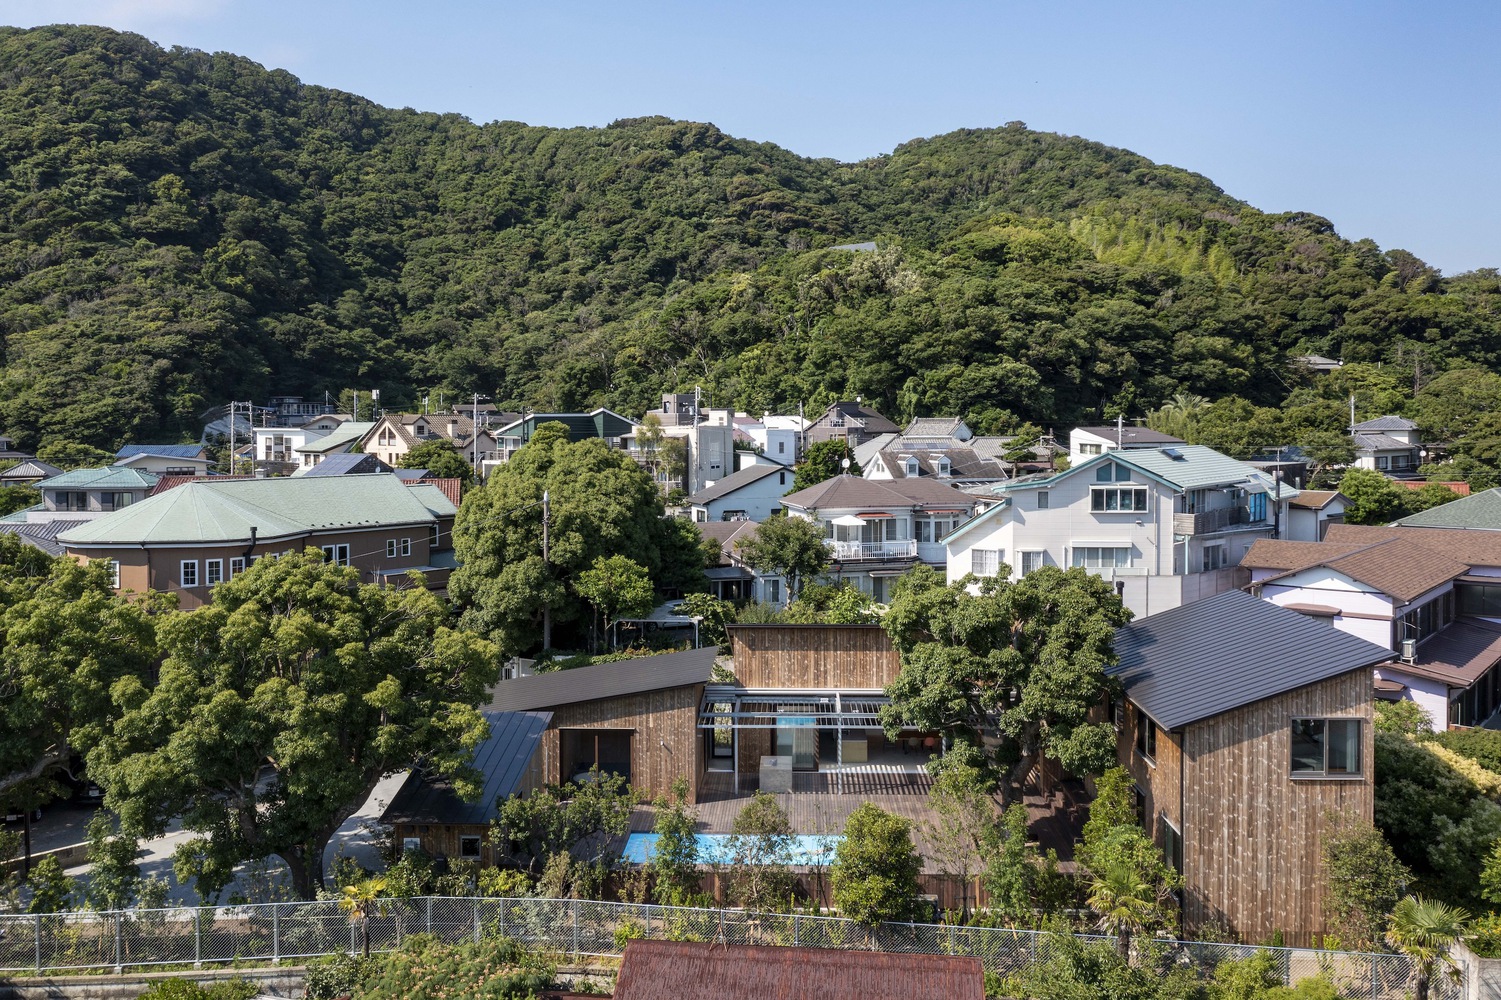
pixel 834 657
pixel 1252 833
pixel 665 739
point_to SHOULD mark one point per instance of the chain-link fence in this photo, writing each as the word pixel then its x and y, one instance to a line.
pixel 276 932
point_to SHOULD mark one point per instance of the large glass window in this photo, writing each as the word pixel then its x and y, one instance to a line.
pixel 1102 557
pixel 1325 747
pixel 1146 735
pixel 1482 600
pixel 1256 507
pixel 1426 619
pixel 1118 499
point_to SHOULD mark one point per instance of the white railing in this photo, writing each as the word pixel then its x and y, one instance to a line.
pixel 856 551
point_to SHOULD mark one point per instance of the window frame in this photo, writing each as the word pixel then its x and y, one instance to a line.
pixel 236 566
pixel 1146 737
pixel 390 548
pixel 1043 500
pixel 183 567
pixel 1025 556
pixel 471 838
pixel 1079 559
pixel 213 572
pixel 114 573
pixel 1098 504
pixel 406 546
pixel 338 553
pixel 977 569
pixel 1358 774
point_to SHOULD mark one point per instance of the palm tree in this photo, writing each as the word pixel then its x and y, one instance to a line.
pixel 361 901
pixel 1424 930
pixel 1126 904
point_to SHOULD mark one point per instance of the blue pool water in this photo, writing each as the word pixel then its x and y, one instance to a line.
pixel 806 849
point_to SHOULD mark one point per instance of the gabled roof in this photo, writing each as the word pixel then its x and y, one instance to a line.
pixel 935 427
pixel 343 436
pixel 31 468
pixel 1473 548
pixel 162 451
pixel 114 477
pixel 1370 441
pixel 599 423
pixel 735 481
pixel 1397 567
pixel 859 415
pixel 1316 499
pixel 437 496
pixel 727 535
pixel 693 970
pixel 502 760
pixel 848 492
pixel 1386 423
pixel 1182 467
pixel 1200 659
pixel 1129 437
pixel 604 680
pixel 1479 511
pixel 165 483
pixel 206 511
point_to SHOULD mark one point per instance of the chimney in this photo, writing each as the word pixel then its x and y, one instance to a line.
pixel 453 428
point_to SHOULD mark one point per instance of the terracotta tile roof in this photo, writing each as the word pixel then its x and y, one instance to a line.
pixel 1457 485
pixel 677 970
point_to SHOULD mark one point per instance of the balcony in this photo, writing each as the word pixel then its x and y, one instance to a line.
pixel 1210 521
pixel 872 551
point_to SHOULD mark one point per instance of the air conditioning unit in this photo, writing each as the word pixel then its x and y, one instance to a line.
pixel 1409 650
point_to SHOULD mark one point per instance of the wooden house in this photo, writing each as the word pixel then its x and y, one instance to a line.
pixel 1247 729
pixel 429 815
pixel 636 718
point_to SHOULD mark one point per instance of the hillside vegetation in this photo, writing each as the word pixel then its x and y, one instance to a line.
pixel 179 228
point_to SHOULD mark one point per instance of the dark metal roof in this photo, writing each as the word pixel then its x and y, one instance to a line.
pixel 605 680
pixel 351 462
pixel 1227 651
pixel 677 970
pixel 161 450
pixel 502 759
pixel 729 484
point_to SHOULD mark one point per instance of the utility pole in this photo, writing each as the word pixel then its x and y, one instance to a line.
pixel 474 440
pixel 546 609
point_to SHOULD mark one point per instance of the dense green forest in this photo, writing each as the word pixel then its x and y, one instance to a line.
pixel 179 228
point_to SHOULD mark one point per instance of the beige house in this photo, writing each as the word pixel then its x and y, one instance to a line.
pixel 395 434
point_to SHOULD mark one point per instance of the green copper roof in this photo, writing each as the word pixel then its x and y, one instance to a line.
pixel 1182 466
pixel 115 477
pixel 1478 510
pixel 206 512
pixel 435 500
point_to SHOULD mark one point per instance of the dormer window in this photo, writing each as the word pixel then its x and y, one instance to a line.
pixel 943 467
pixel 912 468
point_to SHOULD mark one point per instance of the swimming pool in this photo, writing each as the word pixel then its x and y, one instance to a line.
pixel 807 849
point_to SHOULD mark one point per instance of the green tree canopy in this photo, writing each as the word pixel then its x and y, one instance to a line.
pixel 441 458
pixel 875 869
pixel 280 705
pixel 617 587
pixel 1374 499
pixel 823 460
pixel 601 504
pixel 1024 660
pixel 790 547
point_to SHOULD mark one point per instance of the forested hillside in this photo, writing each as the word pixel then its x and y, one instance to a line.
pixel 179 228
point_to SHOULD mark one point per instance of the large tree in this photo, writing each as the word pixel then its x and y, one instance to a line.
pixel 65 638
pixel 823 460
pixel 790 547
pixel 280 705
pixel 441 458
pixel 600 504
pixel 1021 663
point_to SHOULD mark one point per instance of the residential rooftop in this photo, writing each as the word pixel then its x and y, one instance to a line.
pixel 1478 511
pixel 604 680
pixel 848 491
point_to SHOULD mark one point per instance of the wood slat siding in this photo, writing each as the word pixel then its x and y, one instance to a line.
pixel 1255 860
pixel 667 716
pixel 1253 834
pixel 443 838
pixel 836 657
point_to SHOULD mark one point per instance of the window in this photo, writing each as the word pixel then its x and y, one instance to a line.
pixel 236 566
pixel 67 500
pixel 390 548
pixel 406 546
pixel 213 571
pixel 1482 600
pixel 1214 558
pixel 114 574
pixel 1090 449
pixel 1102 557
pixel 1324 747
pixel 1118 712
pixel 985 562
pixel 944 467
pixel 1146 736
pixel 1256 507
pixel 1042 500
pixel 931 530
pixel 1381 462
pixel 336 554
pixel 433 535
pixel 1172 843
pixel 411 844
pixel 1104 474
pixel 773 591
pixel 1032 561
pixel 188 573
pixel 114 501
pixel 1426 619
pixel 469 847
pixel 1118 499
pixel 781 447
pixel 781 479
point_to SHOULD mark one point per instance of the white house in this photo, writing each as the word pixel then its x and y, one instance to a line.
pixel 1423 593
pixel 779 438
pixel 1085 443
pixel 1166 525
pixel 752 494
pixel 1388 444
pixel 877 531
pixel 936 447
pixel 276 446
pixel 1311 512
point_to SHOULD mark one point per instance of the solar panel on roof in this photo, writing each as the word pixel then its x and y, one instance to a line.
pixel 1174 454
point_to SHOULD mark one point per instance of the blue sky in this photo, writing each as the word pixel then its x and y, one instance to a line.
pixel 1381 116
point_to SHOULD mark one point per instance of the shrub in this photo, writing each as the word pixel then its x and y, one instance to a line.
pixel 342 976
pixel 492 969
pixel 1483 746
pixel 187 989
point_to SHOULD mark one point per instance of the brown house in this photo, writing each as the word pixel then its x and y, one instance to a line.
pixel 1247 729
pixel 691 970
pixel 188 539
pixel 637 718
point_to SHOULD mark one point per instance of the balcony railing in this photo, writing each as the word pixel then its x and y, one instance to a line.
pixel 857 551
pixel 1210 521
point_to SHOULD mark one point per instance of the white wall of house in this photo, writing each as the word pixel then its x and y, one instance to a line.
pixel 1308 525
pixel 1431 695
pixel 278 444
pixel 753 502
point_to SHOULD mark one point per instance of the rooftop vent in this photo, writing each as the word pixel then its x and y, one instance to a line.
pixel 1174 454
